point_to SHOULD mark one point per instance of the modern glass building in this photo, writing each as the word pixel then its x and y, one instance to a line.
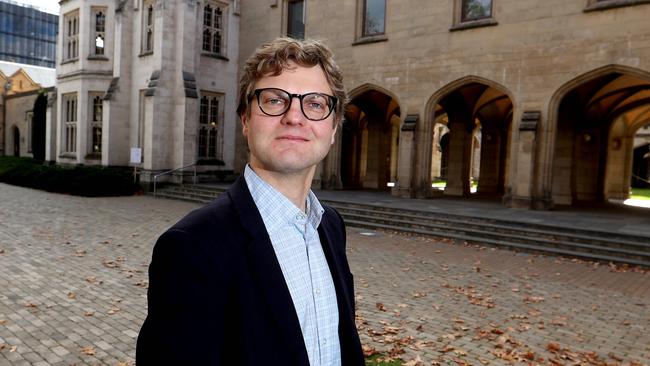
pixel 27 35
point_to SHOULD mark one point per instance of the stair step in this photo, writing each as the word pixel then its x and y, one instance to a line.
pixel 494 236
pixel 536 237
pixel 500 243
pixel 496 227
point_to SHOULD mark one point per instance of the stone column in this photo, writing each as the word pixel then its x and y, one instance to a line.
pixel 522 186
pixel 331 172
pixel 51 114
pixel 460 150
pixel 488 181
pixel 405 158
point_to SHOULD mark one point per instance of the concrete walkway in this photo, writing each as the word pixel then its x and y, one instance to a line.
pixel 73 279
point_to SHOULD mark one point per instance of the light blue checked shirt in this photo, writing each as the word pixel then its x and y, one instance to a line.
pixel 294 236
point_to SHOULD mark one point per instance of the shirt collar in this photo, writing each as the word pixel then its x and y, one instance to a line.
pixel 277 210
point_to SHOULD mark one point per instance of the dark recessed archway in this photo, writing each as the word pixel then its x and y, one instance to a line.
pixel 369 139
pixel 596 120
pixel 476 115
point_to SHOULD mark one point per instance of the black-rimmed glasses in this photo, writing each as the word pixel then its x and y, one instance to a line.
pixel 276 102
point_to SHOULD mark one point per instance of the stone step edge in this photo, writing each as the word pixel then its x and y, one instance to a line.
pixel 204 198
pixel 465 238
pixel 489 235
pixel 602 233
pixel 535 248
pixel 507 226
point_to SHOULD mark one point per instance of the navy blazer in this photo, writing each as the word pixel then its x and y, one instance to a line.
pixel 217 295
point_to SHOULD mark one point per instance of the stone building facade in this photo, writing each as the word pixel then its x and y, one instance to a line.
pixel 21 86
pixel 157 76
pixel 552 93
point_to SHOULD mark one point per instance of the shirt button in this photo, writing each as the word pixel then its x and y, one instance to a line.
pixel 317 291
pixel 324 341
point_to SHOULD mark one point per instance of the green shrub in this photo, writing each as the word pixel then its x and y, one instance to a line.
pixel 88 181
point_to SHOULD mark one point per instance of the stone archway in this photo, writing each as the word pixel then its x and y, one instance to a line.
pixel 369 138
pixel 478 115
pixel 596 116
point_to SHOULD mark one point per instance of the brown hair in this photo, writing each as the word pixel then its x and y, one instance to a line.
pixel 273 57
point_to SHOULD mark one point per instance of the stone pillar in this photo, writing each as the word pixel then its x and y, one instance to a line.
pixel 488 181
pixel 405 158
pixel 50 127
pixel 331 173
pixel 522 186
pixel 460 156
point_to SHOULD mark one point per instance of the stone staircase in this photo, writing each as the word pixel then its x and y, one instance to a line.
pixel 530 237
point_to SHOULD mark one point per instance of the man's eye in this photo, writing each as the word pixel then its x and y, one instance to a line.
pixel 274 101
pixel 315 105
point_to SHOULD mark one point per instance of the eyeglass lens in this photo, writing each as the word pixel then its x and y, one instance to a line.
pixel 275 102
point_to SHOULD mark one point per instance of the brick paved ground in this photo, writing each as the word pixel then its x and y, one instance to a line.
pixel 73 291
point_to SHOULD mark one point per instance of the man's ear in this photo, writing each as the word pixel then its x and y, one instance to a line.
pixel 244 124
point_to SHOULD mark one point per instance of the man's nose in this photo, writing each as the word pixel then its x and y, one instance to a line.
pixel 294 114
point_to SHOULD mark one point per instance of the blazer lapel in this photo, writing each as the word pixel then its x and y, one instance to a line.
pixel 267 271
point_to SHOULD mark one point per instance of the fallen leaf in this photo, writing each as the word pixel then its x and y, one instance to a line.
pixel 13 348
pixel 446 349
pixel 414 362
pixel 553 347
pixel 368 351
pixel 89 350
pixel 72 295
pixel 380 306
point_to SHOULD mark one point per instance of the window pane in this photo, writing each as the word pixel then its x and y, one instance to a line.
pixel 476 9
pixel 207 16
pixel 374 17
pixel 296 23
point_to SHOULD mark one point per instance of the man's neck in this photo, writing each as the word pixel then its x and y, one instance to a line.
pixel 293 186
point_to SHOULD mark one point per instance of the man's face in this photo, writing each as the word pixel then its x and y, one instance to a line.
pixel 289 143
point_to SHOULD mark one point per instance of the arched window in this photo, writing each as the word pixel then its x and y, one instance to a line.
pixel 210 123
pixel 207 16
pixel 214 29
pixel 207 40
pixel 147 28
pixel 96 123
pixel 100 32
pixel 72 36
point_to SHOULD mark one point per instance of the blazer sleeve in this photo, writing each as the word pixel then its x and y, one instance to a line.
pixel 184 314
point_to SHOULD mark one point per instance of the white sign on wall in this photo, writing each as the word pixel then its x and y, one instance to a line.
pixel 136 155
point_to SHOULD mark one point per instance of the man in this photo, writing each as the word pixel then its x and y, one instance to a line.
pixel 260 275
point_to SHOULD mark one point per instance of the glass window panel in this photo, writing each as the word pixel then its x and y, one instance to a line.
pixel 207 16
pixel 296 19
pixel 476 9
pixel 374 17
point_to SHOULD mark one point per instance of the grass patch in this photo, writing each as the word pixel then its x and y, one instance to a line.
pixel 375 360
pixel 640 193
pixel 90 181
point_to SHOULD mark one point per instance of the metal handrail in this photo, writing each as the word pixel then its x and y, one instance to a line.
pixel 639 178
pixel 155 177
